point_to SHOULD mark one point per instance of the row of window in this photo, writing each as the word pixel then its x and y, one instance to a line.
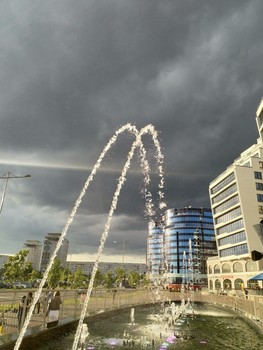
pixel 189 219
pixel 234 226
pixel 223 183
pixel 232 239
pixel 237 250
pixel 225 194
pixel 229 216
pixel 228 204
pixel 249 266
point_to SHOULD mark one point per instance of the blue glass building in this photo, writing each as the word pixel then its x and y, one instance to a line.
pixel 179 245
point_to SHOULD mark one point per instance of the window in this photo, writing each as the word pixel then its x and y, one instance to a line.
pixel 216 269
pixel 237 250
pixel 259 186
pixel 251 266
pixel 217 284
pixel 238 267
pixel 261 165
pixel 228 216
pixel 230 190
pixel 260 197
pixel 234 226
pixel 232 239
pixel 260 209
pixel 258 175
pixel 223 183
pixel 226 268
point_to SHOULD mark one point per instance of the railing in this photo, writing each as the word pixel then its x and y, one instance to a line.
pixel 105 300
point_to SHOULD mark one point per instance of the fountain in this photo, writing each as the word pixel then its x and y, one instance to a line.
pixel 170 324
pixel 149 211
pixel 132 316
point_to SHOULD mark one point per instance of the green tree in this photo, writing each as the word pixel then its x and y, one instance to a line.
pixel 16 268
pixel 78 279
pixel 109 280
pixel 134 278
pixel 98 280
pixel 120 275
pixel 55 273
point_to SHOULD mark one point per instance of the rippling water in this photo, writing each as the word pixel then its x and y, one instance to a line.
pixel 207 328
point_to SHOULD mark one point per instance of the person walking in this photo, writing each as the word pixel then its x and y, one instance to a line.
pixel 53 310
pixel 23 308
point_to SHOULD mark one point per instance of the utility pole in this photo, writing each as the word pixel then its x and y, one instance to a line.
pixel 7 177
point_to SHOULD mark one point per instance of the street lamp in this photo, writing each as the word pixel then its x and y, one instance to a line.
pixel 7 177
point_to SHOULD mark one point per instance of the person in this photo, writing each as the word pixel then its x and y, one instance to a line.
pixel 23 308
pixel 82 298
pixel 246 293
pixel 53 310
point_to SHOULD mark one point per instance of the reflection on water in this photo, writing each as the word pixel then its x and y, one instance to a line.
pixel 207 328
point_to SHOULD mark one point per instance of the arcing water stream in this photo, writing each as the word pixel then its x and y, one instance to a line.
pixel 149 211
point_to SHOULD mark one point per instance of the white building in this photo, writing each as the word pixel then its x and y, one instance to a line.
pixel 87 266
pixel 3 259
pixel 34 248
pixel 49 246
pixel 236 198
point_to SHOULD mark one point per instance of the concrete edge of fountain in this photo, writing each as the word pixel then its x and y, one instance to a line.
pixel 255 323
pixel 38 334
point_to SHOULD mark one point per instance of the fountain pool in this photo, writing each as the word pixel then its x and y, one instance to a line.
pixel 205 326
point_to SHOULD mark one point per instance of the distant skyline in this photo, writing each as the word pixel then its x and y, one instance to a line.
pixel 74 72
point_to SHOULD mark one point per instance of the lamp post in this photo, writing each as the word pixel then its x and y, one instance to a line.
pixel 8 176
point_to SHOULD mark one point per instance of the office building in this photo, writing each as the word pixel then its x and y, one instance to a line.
pixel 3 259
pixel 49 246
pixel 236 197
pixel 179 245
pixel 34 248
pixel 104 267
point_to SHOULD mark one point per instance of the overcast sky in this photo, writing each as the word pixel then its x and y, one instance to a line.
pixel 73 72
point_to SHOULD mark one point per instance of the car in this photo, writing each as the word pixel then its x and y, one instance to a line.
pixel 19 285
pixel 4 285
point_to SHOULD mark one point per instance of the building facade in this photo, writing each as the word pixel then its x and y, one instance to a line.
pixel 3 259
pixel 104 267
pixel 179 245
pixel 155 249
pixel 236 198
pixel 49 245
pixel 34 248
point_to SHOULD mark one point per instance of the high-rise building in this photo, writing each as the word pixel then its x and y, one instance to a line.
pixel 49 246
pixel 179 245
pixel 34 248
pixel 155 249
pixel 3 259
pixel 236 197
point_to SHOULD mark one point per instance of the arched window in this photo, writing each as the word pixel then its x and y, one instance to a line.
pixel 210 270
pixel 226 268
pixel 217 285
pixel 237 267
pixel 251 266
pixel 227 285
pixel 239 284
pixel 216 269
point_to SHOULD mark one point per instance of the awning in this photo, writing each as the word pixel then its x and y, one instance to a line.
pixel 258 277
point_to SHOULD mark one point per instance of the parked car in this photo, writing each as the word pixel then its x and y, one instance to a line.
pixel 19 285
pixel 4 285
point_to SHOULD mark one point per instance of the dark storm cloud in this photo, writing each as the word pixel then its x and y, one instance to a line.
pixel 73 72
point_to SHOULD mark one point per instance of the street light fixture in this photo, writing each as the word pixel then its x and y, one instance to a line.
pixel 8 176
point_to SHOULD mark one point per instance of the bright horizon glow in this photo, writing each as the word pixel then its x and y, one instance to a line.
pixel 57 165
pixel 127 259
